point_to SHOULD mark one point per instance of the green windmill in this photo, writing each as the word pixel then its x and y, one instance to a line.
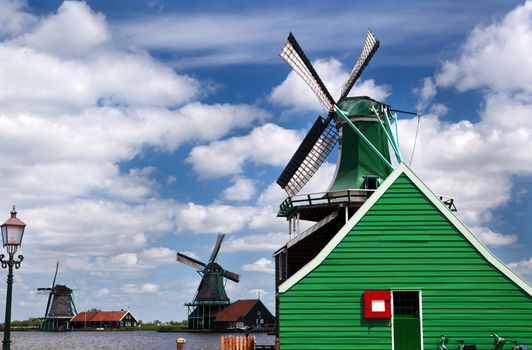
pixel 365 131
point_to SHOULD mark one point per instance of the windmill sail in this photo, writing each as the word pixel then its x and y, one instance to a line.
pixel 370 47
pixel 296 58
pixel 217 246
pixel 182 258
pixel 51 289
pixel 313 151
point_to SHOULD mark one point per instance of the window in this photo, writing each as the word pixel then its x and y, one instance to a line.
pixel 406 304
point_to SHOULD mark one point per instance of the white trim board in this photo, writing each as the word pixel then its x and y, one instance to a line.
pixel 404 169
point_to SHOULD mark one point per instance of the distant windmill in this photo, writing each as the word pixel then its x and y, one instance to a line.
pixel 60 307
pixel 210 296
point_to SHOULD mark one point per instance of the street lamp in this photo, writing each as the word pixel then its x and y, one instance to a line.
pixel 12 232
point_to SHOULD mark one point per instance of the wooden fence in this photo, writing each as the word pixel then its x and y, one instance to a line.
pixel 237 343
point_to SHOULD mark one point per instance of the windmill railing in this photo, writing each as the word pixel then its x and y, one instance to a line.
pixel 208 302
pixel 323 198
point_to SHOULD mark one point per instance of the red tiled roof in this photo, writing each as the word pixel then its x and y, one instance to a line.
pixel 234 311
pixel 99 316
pixel 83 316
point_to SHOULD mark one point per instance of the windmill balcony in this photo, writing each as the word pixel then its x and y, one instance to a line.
pixel 315 206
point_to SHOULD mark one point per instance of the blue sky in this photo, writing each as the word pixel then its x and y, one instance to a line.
pixel 136 129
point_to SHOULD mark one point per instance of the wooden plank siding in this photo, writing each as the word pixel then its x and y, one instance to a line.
pixel 403 243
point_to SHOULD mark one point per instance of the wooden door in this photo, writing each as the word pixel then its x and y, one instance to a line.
pixel 406 322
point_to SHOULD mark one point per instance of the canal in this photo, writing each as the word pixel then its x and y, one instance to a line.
pixel 142 340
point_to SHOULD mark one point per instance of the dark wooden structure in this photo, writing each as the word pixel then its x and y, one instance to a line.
pixel 248 314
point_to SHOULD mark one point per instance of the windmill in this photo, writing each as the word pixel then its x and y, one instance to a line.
pixel 60 307
pixel 365 131
pixel 210 296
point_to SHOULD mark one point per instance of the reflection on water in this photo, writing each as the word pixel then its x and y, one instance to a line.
pixel 118 340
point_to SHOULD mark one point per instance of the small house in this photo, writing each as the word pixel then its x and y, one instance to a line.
pixel 103 319
pixel 249 314
pixel 402 271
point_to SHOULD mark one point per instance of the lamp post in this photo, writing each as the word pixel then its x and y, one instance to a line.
pixel 12 232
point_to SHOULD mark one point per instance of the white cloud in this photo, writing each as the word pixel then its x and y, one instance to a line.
pixel 146 288
pixel 258 293
pixel 242 189
pixel 267 144
pixel 497 56
pixel 261 265
pixel 425 94
pixel 494 239
pixel 13 17
pixel 74 30
pixel 102 292
pixel 474 162
pixel 524 266
pixel 158 255
pixel 213 218
pixel 293 91
pixel 254 243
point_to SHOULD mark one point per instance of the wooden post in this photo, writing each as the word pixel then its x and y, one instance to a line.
pixel 180 342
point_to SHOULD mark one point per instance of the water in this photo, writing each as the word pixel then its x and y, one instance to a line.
pixel 119 340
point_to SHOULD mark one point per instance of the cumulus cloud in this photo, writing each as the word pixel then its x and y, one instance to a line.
pixel 494 239
pixel 523 266
pixel 158 255
pixel 425 94
pixel 494 55
pixel 242 189
pixel 254 243
pixel 294 93
pixel 261 265
pixel 474 161
pixel 13 17
pixel 146 288
pixel 268 144
pixel 213 218
pixel 76 106
pixel 74 30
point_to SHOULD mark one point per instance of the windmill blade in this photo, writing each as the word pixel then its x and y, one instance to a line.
pixel 296 58
pixel 51 290
pixel 217 246
pixel 309 156
pixel 235 277
pixel 55 276
pixel 370 47
pixel 182 258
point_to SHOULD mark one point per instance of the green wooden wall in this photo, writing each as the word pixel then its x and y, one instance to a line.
pixel 403 242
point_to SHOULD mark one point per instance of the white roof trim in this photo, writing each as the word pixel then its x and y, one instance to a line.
pixel 403 169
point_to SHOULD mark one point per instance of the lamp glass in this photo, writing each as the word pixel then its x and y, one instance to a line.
pixel 12 234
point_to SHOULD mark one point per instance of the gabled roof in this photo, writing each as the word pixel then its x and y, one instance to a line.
pixel 236 310
pixel 100 316
pixel 404 169
pixel 83 316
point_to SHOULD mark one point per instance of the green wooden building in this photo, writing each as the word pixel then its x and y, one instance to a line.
pixel 386 264
pixel 403 241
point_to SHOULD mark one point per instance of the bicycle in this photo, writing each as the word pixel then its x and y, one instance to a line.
pixel 463 346
pixel 498 342
pixel 517 346
pixel 443 340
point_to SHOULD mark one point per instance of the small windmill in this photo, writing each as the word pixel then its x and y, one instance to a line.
pixel 210 296
pixel 60 307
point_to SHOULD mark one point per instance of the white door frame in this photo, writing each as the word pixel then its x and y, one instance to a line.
pixel 420 294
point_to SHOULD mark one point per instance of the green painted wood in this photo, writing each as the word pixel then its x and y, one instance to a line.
pixel 406 333
pixel 403 242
